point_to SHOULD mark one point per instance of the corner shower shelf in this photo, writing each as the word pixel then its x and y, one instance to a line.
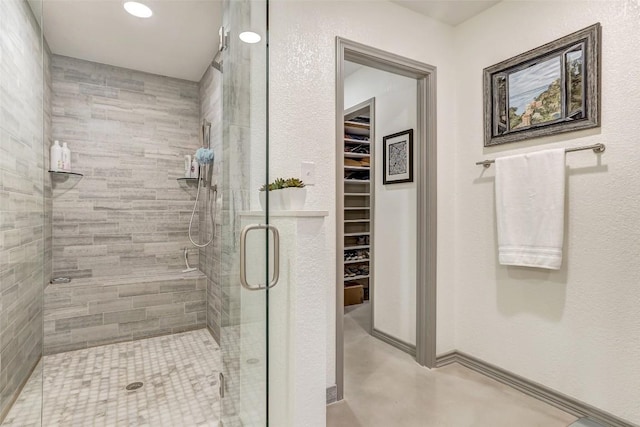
pixel 66 173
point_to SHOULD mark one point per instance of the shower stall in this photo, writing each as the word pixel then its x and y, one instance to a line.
pixel 100 321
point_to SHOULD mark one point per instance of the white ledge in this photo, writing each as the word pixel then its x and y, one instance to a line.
pixel 291 214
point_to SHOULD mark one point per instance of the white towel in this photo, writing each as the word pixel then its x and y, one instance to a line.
pixel 530 209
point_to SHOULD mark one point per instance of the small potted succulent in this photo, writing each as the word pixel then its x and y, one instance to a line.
pixel 275 197
pixel 294 194
pixel 284 194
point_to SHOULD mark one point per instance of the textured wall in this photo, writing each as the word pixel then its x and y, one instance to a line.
pixel 210 89
pixel 576 330
pixel 21 197
pixel 302 116
pixel 128 132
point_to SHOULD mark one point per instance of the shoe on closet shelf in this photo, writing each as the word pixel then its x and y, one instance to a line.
pixel 353 162
pixel 356 137
pixel 359 175
pixel 363 240
pixel 360 119
pixel 351 272
pixel 359 149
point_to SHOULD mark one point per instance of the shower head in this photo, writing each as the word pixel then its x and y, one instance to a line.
pixel 223 43
pixel 217 61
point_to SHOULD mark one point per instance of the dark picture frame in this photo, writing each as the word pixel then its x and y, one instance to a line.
pixel 397 157
pixel 552 89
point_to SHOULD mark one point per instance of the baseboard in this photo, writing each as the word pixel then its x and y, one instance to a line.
pixel 332 394
pixel 399 344
pixel 533 389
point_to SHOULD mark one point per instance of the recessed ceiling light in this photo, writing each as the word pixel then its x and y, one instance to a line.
pixel 250 37
pixel 138 9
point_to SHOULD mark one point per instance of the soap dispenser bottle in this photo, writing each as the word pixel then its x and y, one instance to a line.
pixel 195 168
pixel 55 157
pixel 66 157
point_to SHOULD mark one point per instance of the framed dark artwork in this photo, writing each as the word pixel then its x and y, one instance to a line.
pixel 552 89
pixel 397 157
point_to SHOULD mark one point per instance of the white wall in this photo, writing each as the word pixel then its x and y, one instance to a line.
pixel 576 330
pixel 395 222
pixel 302 115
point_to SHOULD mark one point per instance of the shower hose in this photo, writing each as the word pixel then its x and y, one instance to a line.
pixel 212 211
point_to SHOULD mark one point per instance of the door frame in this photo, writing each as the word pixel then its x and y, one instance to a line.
pixel 426 143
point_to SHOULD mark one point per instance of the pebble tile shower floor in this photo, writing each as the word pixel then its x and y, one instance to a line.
pixel 87 387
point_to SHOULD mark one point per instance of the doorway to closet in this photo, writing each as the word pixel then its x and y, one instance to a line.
pixel 386 206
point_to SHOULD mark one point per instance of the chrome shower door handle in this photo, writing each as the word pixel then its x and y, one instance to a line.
pixel 243 256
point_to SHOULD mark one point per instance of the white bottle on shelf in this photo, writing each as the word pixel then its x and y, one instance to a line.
pixel 66 157
pixel 195 168
pixel 55 157
pixel 187 166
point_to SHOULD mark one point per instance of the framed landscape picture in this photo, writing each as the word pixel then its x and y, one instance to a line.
pixel 551 89
pixel 397 157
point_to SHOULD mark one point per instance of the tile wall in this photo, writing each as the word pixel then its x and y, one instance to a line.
pixel 21 197
pixel 211 256
pixel 91 312
pixel 128 132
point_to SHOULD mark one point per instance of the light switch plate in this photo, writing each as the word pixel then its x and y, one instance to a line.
pixel 308 173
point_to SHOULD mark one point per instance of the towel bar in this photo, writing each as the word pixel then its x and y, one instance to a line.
pixel 597 148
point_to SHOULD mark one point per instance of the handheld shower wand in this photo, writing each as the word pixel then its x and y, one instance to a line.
pixel 204 156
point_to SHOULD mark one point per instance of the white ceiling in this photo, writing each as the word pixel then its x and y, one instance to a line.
pixel 452 12
pixel 179 40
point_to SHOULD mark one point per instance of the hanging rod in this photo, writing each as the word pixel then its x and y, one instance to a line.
pixel 597 148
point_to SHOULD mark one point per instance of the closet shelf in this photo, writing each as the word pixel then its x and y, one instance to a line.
pixel 66 173
pixel 356 261
pixel 356 125
pixel 358 172
pixel 356 155
pixel 351 248
pixel 350 279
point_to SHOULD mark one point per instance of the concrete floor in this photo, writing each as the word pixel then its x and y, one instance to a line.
pixel 385 387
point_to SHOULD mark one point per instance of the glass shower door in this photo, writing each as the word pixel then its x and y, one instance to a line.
pixel 249 243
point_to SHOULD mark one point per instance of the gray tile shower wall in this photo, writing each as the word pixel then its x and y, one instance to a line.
pixel 211 256
pixel 21 197
pixel 128 132
pixel 91 312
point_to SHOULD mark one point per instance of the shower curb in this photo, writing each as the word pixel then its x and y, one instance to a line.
pixel 559 400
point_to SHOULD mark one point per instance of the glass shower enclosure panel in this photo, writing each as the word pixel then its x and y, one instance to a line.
pixel 249 244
